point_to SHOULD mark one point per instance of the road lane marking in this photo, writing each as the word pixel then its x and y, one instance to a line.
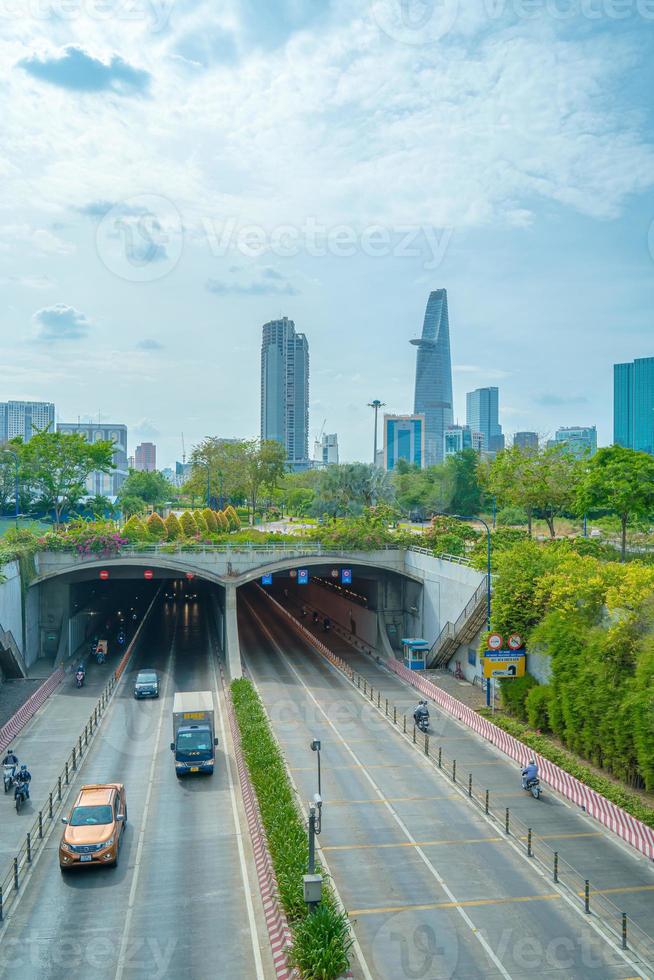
pixel 619 890
pixel 405 830
pixel 122 953
pixel 470 903
pixel 410 843
pixel 254 936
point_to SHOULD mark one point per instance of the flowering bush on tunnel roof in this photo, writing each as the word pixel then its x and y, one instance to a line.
pixel 87 538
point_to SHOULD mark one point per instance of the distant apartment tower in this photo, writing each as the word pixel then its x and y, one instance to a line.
pixel 456 439
pixel 325 450
pixel 106 484
pixel 285 389
pixel 24 418
pixel 404 438
pixel 526 440
pixel 145 457
pixel 433 392
pixel 580 440
pixel 633 404
pixel 482 415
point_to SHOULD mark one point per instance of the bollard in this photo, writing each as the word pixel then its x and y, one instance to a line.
pixel 80 745
pixel 454 770
pixel 426 744
pixel 440 757
pixel 66 773
pixel 587 896
pixel 359 681
pixel 379 699
pixel 95 713
pixel 486 803
pixel 394 715
pixel 86 736
pixel 469 784
pixel 414 734
pixel 50 806
pixel 59 789
pixel 506 821
pixel 556 866
pixel 16 874
pixel 1 914
pixel 40 825
pixel 624 924
pixel 387 707
pixel 404 729
pixel 371 694
pixel 529 842
pixel 28 843
pixel 74 760
pixel 365 687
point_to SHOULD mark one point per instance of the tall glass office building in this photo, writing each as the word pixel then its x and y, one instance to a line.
pixel 285 389
pixel 433 396
pixel 404 438
pixel 633 404
pixel 482 415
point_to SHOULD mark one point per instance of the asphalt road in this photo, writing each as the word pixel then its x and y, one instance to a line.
pixel 433 889
pixel 182 903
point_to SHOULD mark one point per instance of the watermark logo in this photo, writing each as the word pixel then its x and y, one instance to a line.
pixel 415 21
pixel 141 238
pixel 417 945
pixel 155 14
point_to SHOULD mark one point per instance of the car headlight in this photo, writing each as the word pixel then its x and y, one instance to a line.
pixel 108 843
pixel 66 846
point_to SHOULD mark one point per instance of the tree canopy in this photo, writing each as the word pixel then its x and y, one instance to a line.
pixel 150 487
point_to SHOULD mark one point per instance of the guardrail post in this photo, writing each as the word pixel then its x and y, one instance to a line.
pixel 86 736
pixel 426 744
pixel 359 681
pixel 387 707
pixel 59 789
pixel 587 896
pixel 469 784
pixel 371 694
pixel 440 756
pixel 556 866
pixel 486 803
pixel 379 699
pixel 28 843
pixel 40 825
pixel 16 874
pixel 66 773
pixel 80 745
pixel 74 760
pixel 624 924
pixel 1 912
pixel 404 728
pixel 454 770
pixel 365 687
pixel 529 842
pixel 50 806
pixel 414 734
pixel 506 821
pixel 394 715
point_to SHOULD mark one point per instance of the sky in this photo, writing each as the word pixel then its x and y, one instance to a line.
pixel 174 173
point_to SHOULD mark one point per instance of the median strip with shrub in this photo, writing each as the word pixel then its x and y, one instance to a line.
pixel 321 941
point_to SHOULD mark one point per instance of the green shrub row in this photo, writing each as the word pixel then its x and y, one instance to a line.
pixel 321 942
pixel 569 763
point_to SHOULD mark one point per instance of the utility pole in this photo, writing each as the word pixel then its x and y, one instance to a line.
pixel 376 405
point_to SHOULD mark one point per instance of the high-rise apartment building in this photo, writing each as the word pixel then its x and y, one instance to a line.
pixel 526 440
pixel 285 389
pixel 433 393
pixel 482 415
pixel 106 484
pixel 579 440
pixel 24 418
pixel 325 449
pixel 633 404
pixel 404 438
pixel 145 457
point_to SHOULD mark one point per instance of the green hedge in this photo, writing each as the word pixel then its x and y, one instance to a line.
pixel 569 763
pixel 321 942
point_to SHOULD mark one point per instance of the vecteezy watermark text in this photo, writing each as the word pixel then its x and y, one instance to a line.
pixel 339 241
pixel 155 13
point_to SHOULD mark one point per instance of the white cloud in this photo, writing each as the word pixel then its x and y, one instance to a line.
pixel 40 240
pixel 61 322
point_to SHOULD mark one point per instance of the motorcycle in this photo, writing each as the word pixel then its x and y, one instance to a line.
pixel 326 626
pixel 8 776
pixel 533 786
pixel 79 678
pixel 100 657
pixel 21 795
pixel 422 722
pixel 315 617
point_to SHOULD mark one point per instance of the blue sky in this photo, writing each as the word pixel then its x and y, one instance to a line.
pixel 175 173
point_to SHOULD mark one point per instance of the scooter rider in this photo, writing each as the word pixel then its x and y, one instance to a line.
pixel 11 759
pixel 421 711
pixel 529 773
pixel 23 778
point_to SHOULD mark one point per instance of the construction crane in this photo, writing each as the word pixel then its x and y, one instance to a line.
pixel 183 451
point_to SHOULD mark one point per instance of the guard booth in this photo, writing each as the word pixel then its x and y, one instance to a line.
pixel 415 652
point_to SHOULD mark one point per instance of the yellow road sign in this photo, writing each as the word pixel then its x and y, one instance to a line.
pixel 504 663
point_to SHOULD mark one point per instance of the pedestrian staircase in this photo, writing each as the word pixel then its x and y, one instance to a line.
pixel 471 620
pixel 11 659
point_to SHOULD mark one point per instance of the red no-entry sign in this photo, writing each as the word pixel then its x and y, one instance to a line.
pixel 148 573
pixel 104 574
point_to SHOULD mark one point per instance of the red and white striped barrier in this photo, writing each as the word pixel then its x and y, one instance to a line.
pixel 276 923
pixel 617 820
pixel 17 722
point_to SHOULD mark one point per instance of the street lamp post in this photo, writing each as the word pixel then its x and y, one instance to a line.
pixel 376 405
pixel 315 746
pixel 12 452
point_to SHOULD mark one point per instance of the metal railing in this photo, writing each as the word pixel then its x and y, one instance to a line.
pixel 451 631
pixel 620 928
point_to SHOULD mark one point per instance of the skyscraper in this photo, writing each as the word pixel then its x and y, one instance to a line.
pixel 526 440
pixel 106 484
pixel 145 457
pixel 23 418
pixel 285 389
pixel 433 396
pixel 482 415
pixel 404 438
pixel 633 404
